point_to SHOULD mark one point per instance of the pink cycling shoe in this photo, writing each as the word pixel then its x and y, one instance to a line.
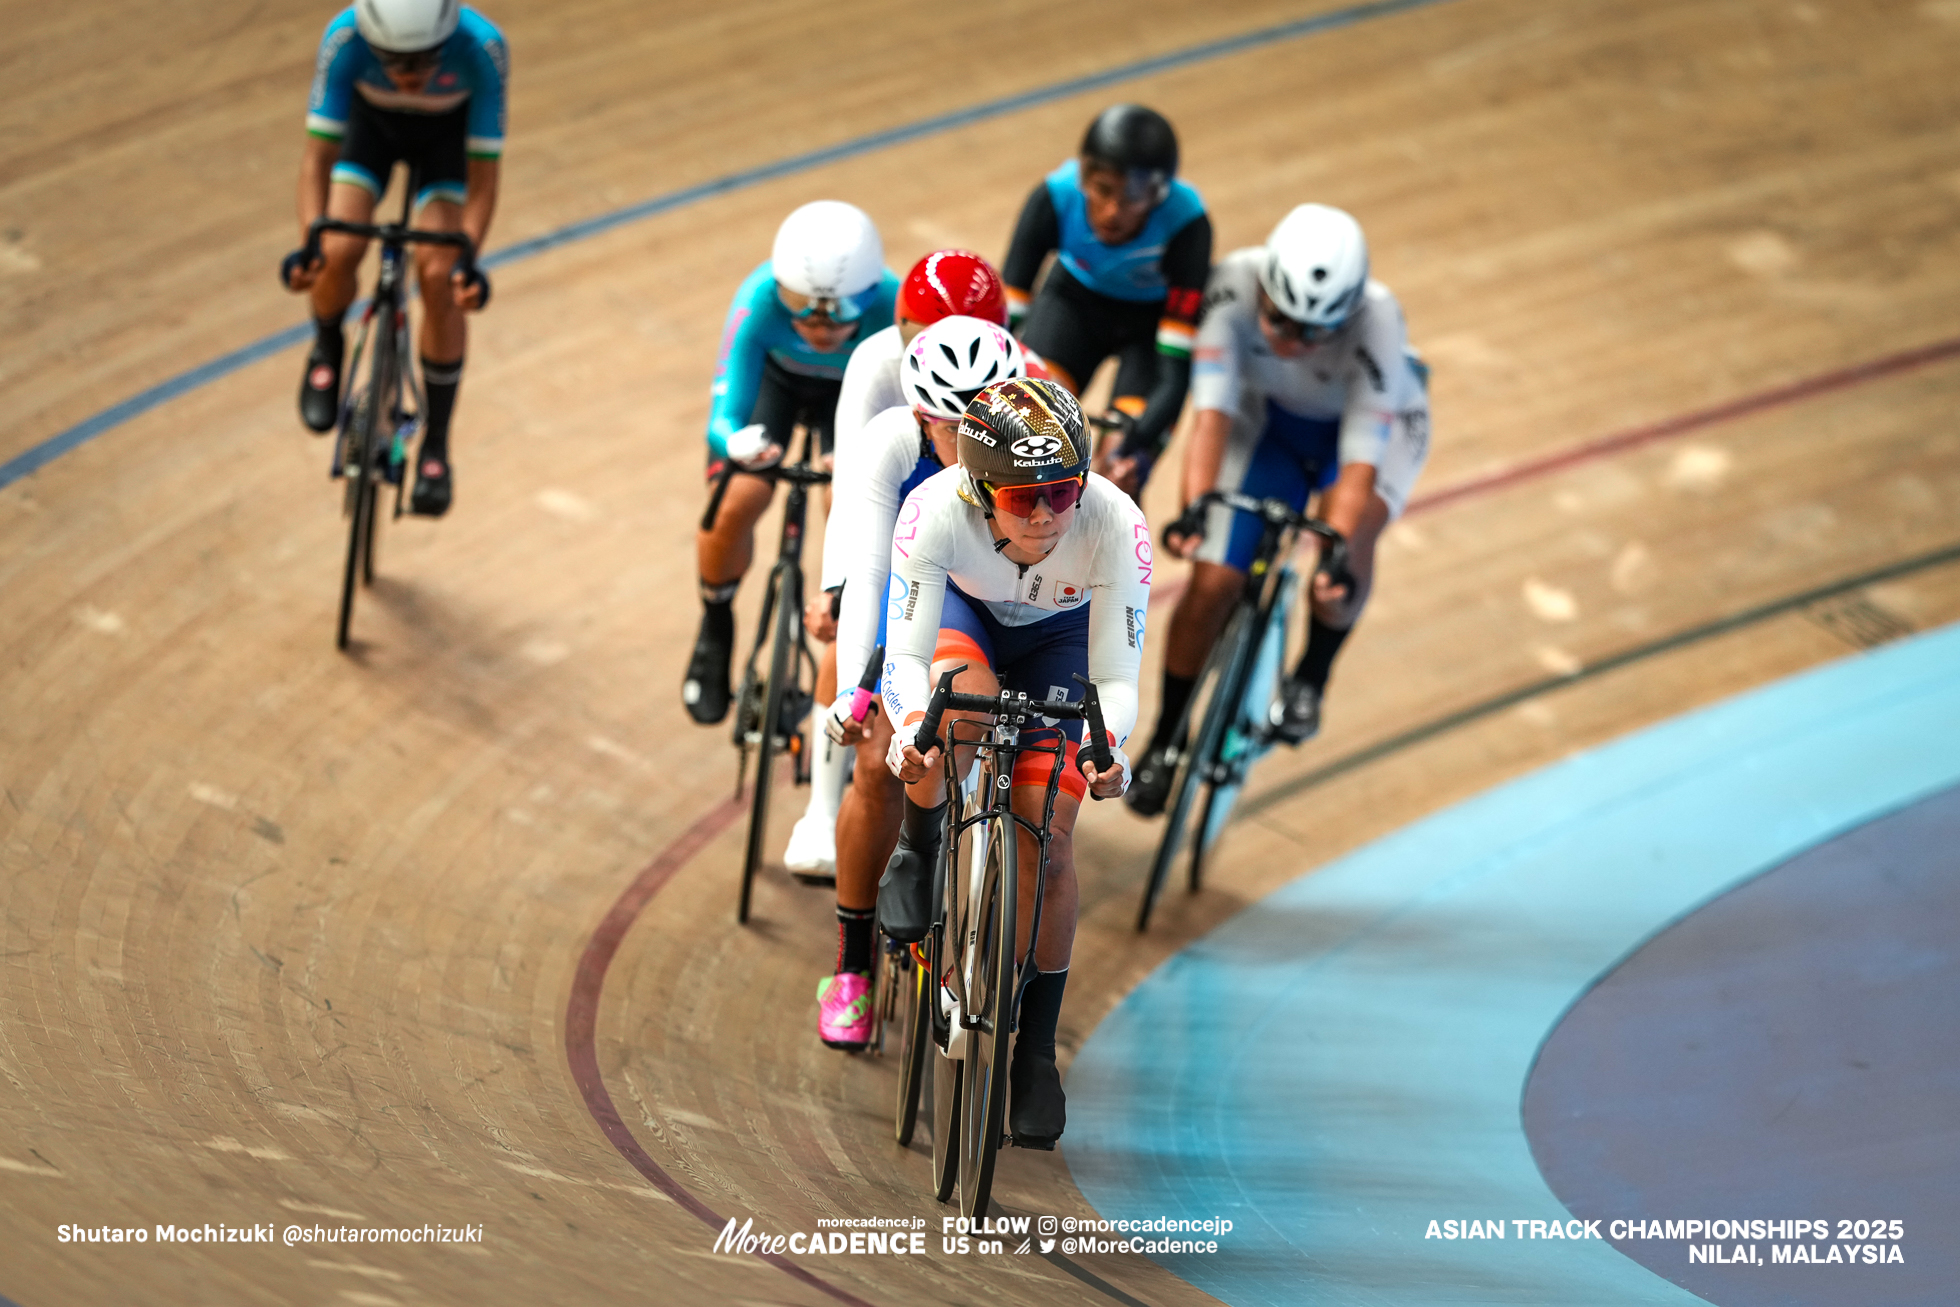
pixel 844 1010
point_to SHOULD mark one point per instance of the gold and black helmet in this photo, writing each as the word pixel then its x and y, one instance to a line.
pixel 1023 432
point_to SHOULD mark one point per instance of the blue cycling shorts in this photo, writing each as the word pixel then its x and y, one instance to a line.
pixel 1040 659
pixel 1295 456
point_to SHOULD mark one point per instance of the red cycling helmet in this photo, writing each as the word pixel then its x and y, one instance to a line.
pixel 946 282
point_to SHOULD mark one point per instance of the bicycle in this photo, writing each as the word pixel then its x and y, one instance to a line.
pixel 770 707
pixel 1237 688
pixel 375 427
pixel 971 992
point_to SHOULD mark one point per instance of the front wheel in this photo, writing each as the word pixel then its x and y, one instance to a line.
pixel 360 529
pixel 362 440
pixel 1248 733
pixel 783 647
pixel 1214 691
pixel 990 1001
pixel 909 1016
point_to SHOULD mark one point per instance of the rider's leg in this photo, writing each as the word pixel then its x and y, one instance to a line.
pixel 813 840
pixel 1362 502
pixel 332 293
pixel 724 551
pixel 722 555
pixel 868 820
pixel 1352 507
pixel 1058 895
pixel 905 890
pixel 1039 1109
pixel 445 339
pixel 867 827
pixel 337 284
pixel 445 330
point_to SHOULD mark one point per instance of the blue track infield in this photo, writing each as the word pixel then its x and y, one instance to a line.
pixel 39 456
pixel 1344 1062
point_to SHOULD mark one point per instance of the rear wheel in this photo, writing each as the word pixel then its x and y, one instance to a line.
pixel 990 1000
pixel 945 1122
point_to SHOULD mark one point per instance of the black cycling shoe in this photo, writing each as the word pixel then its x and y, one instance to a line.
pixel 1152 783
pixel 1038 1110
pixel 905 893
pixel 705 691
pixel 319 392
pixel 433 491
pixel 1295 714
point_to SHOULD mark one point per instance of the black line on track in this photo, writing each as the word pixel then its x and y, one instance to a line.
pixel 1639 653
pixel 31 460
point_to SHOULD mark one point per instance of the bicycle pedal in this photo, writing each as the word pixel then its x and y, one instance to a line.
pixel 1039 1143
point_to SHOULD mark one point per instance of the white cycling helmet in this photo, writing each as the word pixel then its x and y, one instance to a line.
pixel 1316 266
pixel 829 251
pixel 406 26
pixel 955 359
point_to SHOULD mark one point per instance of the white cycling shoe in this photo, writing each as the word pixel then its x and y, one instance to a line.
pixel 812 845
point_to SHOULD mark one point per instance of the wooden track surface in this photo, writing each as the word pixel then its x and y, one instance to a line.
pixel 289 934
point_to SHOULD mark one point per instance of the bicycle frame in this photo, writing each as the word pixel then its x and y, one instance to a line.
pixel 1248 643
pixel 367 411
pixel 999 747
pixel 767 710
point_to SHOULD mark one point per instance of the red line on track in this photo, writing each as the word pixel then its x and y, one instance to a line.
pixel 582 1012
pixel 582 1018
pixel 1618 442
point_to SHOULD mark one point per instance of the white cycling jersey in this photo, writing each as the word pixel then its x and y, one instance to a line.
pixel 871 385
pixel 870 483
pixel 1102 560
pixel 1362 375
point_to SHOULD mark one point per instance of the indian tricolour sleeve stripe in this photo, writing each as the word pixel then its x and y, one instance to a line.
pixel 319 125
pixel 1175 338
pixel 484 147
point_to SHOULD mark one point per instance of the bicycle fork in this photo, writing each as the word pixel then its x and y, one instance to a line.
pixel 953 995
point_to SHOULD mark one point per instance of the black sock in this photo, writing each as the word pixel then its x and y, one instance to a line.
pixel 1041 1012
pixel 923 826
pixel 718 615
pixel 1323 642
pixel 439 382
pixel 330 339
pixel 854 932
pixel 1170 708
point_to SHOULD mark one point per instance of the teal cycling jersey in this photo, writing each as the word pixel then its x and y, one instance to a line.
pixel 760 328
pixel 1133 270
pixel 473 69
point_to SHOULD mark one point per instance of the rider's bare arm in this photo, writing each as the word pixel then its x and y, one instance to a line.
pixel 480 206
pixel 316 162
pixel 1204 453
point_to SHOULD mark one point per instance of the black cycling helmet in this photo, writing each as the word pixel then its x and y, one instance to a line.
pixel 1136 142
pixel 1021 432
